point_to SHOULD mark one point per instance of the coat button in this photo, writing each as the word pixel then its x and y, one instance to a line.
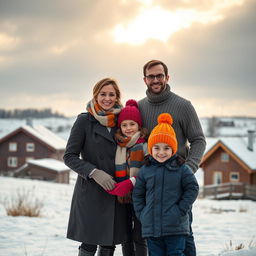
pixel 101 157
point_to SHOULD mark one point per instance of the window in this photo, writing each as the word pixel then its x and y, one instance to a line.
pixel 217 178
pixel 12 161
pixel 30 147
pixel 12 146
pixel 234 176
pixel 224 157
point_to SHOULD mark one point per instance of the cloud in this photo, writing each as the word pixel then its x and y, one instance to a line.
pixel 221 55
pixel 160 23
pixel 63 48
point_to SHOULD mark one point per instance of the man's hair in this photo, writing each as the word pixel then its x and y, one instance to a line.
pixel 153 63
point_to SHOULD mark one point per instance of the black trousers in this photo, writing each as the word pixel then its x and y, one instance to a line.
pixel 136 245
pixel 93 248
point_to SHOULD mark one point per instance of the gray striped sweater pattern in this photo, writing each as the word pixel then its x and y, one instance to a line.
pixel 189 133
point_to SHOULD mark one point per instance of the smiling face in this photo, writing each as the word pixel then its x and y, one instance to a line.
pixel 161 152
pixel 129 128
pixel 107 97
pixel 155 79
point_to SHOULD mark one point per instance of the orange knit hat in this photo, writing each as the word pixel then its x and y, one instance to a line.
pixel 163 133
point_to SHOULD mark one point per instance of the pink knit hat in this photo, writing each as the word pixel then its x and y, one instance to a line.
pixel 130 112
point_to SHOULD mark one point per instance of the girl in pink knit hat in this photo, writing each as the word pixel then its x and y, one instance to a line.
pixel 131 149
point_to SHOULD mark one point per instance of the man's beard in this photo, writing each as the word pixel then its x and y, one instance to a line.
pixel 162 85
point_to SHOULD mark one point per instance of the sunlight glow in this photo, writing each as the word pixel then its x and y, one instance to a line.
pixel 160 24
pixel 145 27
pixel 145 2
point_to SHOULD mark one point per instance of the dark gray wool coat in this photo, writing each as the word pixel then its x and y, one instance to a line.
pixel 95 216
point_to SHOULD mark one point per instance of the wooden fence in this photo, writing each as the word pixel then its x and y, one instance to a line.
pixel 229 191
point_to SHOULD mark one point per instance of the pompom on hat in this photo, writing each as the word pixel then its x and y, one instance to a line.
pixel 163 133
pixel 130 112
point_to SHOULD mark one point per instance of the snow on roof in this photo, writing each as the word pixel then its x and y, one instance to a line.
pixel 238 145
pixel 210 142
pixel 46 135
pixel 50 163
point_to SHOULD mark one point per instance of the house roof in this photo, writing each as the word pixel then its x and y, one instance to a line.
pixel 41 133
pixel 48 163
pixel 236 146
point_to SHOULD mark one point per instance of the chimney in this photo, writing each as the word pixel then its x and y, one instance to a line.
pixel 250 139
pixel 29 121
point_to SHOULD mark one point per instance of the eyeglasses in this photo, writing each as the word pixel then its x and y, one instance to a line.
pixel 158 77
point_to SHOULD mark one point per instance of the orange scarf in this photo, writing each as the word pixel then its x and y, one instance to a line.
pixel 105 118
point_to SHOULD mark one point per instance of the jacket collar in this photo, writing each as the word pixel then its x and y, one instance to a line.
pixel 170 164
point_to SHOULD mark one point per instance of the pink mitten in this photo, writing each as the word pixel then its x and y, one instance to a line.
pixel 122 188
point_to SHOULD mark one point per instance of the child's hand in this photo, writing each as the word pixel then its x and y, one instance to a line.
pixel 121 188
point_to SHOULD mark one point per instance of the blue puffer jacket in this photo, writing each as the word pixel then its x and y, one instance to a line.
pixel 162 197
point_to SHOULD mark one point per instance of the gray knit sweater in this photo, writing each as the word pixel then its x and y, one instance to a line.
pixel 190 137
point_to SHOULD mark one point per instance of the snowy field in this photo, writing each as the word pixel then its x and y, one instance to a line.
pixel 215 223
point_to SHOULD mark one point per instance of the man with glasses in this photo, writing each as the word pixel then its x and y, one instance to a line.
pixel 160 99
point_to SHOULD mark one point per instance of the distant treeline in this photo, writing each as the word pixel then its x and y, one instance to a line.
pixel 29 112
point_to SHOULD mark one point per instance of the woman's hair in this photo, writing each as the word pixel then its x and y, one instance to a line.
pixel 107 81
pixel 143 133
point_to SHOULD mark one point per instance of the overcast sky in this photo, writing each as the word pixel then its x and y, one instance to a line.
pixel 52 52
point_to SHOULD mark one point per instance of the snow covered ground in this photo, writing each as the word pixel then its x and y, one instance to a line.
pixel 215 223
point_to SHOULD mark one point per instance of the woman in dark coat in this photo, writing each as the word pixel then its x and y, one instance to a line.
pixel 96 218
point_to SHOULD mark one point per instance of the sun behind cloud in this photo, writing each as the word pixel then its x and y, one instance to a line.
pixel 155 22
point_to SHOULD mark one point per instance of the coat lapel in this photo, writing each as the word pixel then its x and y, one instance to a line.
pixel 103 131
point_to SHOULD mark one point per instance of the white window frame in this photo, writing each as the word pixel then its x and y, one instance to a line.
pixel 13 146
pixel 224 157
pixel 234 180
pixel 215 177
pixel 28 144
pixel 12 161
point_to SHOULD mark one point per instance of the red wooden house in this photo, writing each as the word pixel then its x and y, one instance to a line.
pixel 26 143
pixel 230 160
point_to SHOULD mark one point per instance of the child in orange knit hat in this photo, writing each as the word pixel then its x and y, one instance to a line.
pixel 164 192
